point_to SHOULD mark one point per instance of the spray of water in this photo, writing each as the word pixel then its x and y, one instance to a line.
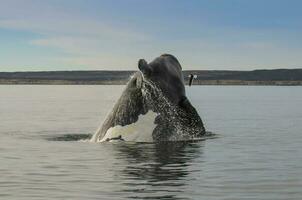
pixel 179 124
pixel 173 122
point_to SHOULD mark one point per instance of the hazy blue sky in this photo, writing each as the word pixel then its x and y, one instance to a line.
pixel 114 34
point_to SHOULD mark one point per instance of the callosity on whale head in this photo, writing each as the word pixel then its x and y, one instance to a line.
pixel 153 107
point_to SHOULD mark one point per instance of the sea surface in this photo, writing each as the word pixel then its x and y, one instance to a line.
pixel 257 154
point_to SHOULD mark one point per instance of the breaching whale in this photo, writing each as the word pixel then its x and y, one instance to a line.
pixel 153 107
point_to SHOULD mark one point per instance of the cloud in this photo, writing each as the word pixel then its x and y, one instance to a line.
pixel 76 39
pixel 81 41
pixel 73 27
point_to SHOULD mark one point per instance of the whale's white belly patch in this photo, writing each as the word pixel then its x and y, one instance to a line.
pixel 140 131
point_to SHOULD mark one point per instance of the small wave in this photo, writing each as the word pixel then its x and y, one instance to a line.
pixel 70 137
pixel 208 135
pixel 87 137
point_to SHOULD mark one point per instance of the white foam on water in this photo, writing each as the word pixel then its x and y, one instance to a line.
pixel 140 131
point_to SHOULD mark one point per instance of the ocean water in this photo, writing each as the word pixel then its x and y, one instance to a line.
pixel 257 154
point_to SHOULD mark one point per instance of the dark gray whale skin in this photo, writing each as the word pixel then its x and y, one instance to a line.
pixel 176 116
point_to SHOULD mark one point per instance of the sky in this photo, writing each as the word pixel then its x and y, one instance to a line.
pixel 113 35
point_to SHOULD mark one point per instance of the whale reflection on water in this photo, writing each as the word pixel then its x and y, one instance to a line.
pixel 161 170
pixel 156 171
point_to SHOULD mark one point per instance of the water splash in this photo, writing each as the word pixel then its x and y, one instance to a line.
pixel 172 122
pixel 171 114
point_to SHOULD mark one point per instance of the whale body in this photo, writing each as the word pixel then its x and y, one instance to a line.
pixel 153 107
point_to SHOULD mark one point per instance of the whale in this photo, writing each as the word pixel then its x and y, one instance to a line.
pixel 153 107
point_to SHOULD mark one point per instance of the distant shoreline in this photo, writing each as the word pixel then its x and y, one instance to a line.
pixel 278 77
pixel 212 82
